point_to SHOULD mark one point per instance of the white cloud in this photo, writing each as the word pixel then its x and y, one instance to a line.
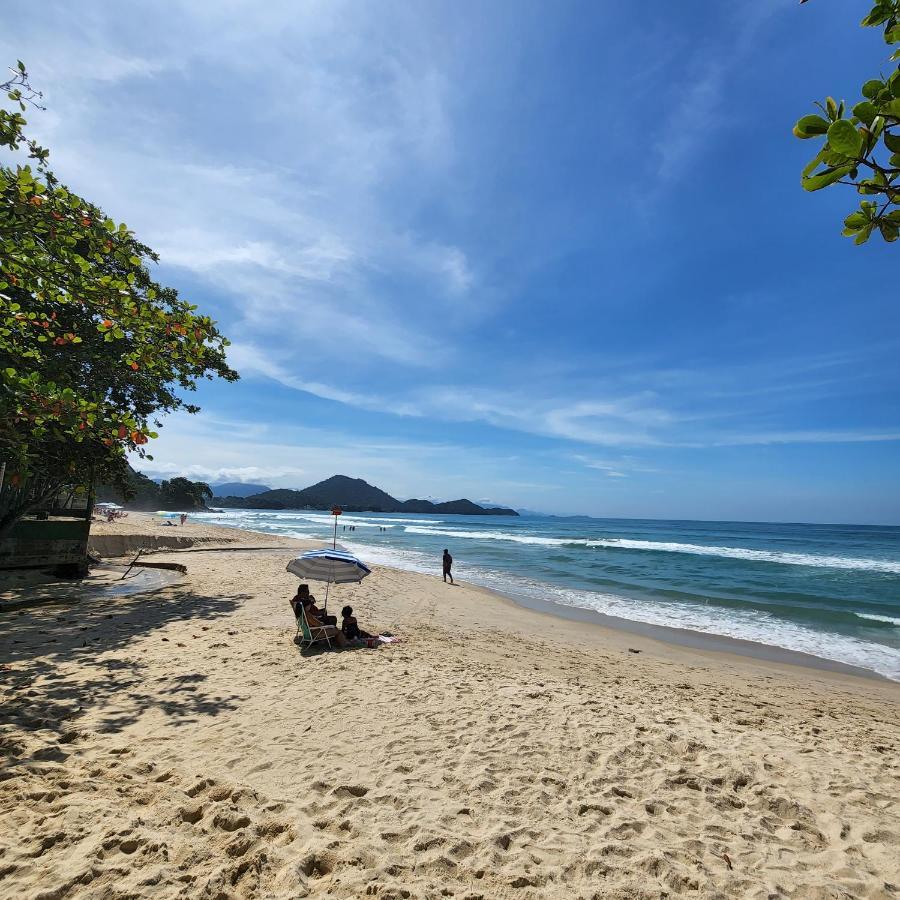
pixel 695 102
pixel 282 161
pixel 689 124
pixel 805 436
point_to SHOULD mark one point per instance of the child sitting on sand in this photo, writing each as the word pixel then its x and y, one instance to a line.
pixel 350 626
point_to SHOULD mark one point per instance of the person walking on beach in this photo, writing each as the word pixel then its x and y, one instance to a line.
pixel 448 562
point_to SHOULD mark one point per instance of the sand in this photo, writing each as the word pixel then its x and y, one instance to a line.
pixel 137 531
pixel 179 744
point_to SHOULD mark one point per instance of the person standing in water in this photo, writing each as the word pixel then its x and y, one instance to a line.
pixel 448 562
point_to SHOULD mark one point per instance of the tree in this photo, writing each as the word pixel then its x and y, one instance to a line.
pixel 848 155
pixel 181 493
pixel 92 349
pixel 137 490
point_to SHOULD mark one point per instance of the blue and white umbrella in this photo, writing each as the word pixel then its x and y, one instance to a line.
pixel 335 566
pixel 331 566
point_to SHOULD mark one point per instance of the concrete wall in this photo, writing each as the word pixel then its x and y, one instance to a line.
pixel 39 544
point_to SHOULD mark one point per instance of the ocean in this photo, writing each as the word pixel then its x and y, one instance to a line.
pixel 832 591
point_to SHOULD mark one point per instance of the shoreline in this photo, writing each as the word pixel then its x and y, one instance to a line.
pixel 683 637
pixel 698 640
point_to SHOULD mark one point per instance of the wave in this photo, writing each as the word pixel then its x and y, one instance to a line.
pixel 323 518
pixel 747 625
pixel 495 536
pixel 890 620
pixel 743 553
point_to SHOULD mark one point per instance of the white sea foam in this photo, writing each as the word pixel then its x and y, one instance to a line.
pixel 773 556
pixel 323 519
pixel 749 625
pixel 890 620
pixel 496 536
pixel 746 625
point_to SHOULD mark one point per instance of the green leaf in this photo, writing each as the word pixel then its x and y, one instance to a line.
pixel 872 88
pixel 889 231
pixel 865 111
pixel 823 179
pixel 863 236
pixel 844 137
pixel 856 220
pixel 891 141
pixel 880 13
pixel 831 106
pixel 813 163
pixel 810 126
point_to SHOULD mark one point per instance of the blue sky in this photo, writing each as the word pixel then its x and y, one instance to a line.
pixel 549 255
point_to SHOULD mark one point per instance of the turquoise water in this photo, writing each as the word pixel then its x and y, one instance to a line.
pixel 829 590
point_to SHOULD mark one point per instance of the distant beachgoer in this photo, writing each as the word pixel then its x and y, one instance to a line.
pixel 448 562
pixel 349 625
pixel 314 621
pixel 183 518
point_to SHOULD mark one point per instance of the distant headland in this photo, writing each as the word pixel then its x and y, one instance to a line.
pixel 353 495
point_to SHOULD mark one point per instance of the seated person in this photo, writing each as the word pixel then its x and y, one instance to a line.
pixel 303 595
pixel 297 599
pixel 315 622
pixel 350 627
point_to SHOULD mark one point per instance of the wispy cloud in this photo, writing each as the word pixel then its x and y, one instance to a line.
pixel 307 216
pixel 694 100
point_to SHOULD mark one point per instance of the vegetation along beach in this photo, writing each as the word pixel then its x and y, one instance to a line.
pixel 450 451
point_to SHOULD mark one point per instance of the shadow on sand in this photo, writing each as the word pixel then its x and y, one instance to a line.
pixel 321 647
pixel 41 689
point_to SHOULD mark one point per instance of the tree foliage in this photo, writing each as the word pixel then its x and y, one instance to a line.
pixel 182 493
pixel 140 492
pixel 862 145
pixel 92 348
pixel 137 490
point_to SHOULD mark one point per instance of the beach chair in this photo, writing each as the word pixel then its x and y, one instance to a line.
pixel 311 634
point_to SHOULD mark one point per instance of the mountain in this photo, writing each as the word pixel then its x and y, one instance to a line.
pixel 352 495
pixel 237 489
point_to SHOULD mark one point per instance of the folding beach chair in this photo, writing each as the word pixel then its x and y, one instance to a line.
pixel 311 634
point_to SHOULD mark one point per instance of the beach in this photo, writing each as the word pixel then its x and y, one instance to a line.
pixel 177 743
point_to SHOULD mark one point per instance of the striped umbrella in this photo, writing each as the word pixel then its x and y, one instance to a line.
pixel 331 566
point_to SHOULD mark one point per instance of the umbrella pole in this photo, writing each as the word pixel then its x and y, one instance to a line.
pixel 327 585
pixel 334 541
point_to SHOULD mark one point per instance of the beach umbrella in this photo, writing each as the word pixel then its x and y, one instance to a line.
pixel 332 566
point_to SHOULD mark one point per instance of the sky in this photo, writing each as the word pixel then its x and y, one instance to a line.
pixel 549 255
